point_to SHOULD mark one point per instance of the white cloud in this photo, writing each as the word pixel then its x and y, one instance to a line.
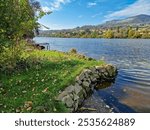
pixel 139 7
pixel 91 4
pixel 56 4
pixel 46 9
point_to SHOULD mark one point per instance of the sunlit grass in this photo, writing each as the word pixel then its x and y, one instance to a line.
pixel 35 89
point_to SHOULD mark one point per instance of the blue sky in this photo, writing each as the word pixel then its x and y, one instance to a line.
pixel 72 13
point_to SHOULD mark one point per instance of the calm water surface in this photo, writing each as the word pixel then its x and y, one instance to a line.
pixel 131 90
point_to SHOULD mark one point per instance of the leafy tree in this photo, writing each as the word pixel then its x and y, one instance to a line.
pixel 131 33
pixel 19 18
pixel 108 34
pixel 137 35
pixel 145 35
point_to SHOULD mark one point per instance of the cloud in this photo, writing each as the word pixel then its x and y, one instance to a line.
pixel 56 4
pixel 91 4
pixel 46 9
pixel 139 7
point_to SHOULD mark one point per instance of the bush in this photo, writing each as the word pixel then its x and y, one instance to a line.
pixel 15 57
pixel 73 50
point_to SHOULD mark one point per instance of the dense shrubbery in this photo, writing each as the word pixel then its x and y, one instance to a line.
pixel 18 23
pixel 115 32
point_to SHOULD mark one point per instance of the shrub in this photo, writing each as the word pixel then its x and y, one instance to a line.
pixel 73 50
pixel 15 57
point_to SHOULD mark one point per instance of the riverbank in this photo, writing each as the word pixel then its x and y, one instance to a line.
pixel 35 89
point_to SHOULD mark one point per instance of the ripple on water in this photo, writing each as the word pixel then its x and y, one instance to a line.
pixel 131 90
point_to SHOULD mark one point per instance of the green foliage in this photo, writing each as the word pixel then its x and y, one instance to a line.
pixel 115 32
pixel 17 19
pixel 131 33
pixel 108 34
pixel 12 56
pixel 73 50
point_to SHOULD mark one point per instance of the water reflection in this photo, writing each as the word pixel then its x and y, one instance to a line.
pixel 103 85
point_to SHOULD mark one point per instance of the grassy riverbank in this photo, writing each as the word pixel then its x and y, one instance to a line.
pixel 34 89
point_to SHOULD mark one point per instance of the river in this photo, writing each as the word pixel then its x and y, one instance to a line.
pixel 131 90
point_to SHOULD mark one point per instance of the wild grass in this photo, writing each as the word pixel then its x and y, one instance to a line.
pixel 35 87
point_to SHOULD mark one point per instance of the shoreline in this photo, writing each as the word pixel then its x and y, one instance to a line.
pixel 75 94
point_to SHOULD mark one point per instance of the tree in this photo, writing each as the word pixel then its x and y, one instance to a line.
pixel 131 33
pixel 108 34
pixel 19 18
pixel 137 35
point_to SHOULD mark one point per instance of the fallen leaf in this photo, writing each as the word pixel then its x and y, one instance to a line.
pixel 45 90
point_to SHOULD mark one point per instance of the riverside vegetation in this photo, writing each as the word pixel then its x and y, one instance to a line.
pixel 112 32
pixel 30 79
pixel 35 87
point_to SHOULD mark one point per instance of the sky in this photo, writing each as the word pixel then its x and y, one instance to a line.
pixel 73 13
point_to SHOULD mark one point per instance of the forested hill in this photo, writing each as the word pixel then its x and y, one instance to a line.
pixel 131 27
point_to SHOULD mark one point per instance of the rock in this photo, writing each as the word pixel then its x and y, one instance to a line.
pixel 84 93
pixel 93 79
pixel 100 74
pixel 78 80
pixel 86 84
pixel 68 101
pixel 98 67
pixel 111 70
pixel 93 69
pixel 76 104
pixel 88 80
pixel 81 76
pixel 70 89
pixel 102 70
pixel 75 97
pixel 77 89
pixel 96 76
pixel 106 74
pixel 107 106
pixel 88 109
pixel 87 73
pixel 63 94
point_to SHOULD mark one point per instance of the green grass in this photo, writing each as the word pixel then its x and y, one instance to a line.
pixel 35 89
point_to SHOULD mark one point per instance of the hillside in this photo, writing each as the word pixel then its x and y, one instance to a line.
pixel 130 21
pixel 131 27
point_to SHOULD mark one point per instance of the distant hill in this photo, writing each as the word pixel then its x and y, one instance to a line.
pixel 130 21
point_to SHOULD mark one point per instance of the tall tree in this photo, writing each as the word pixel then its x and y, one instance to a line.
pixel 19 18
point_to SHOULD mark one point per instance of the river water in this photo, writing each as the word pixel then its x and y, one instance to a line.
pixel 131 90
